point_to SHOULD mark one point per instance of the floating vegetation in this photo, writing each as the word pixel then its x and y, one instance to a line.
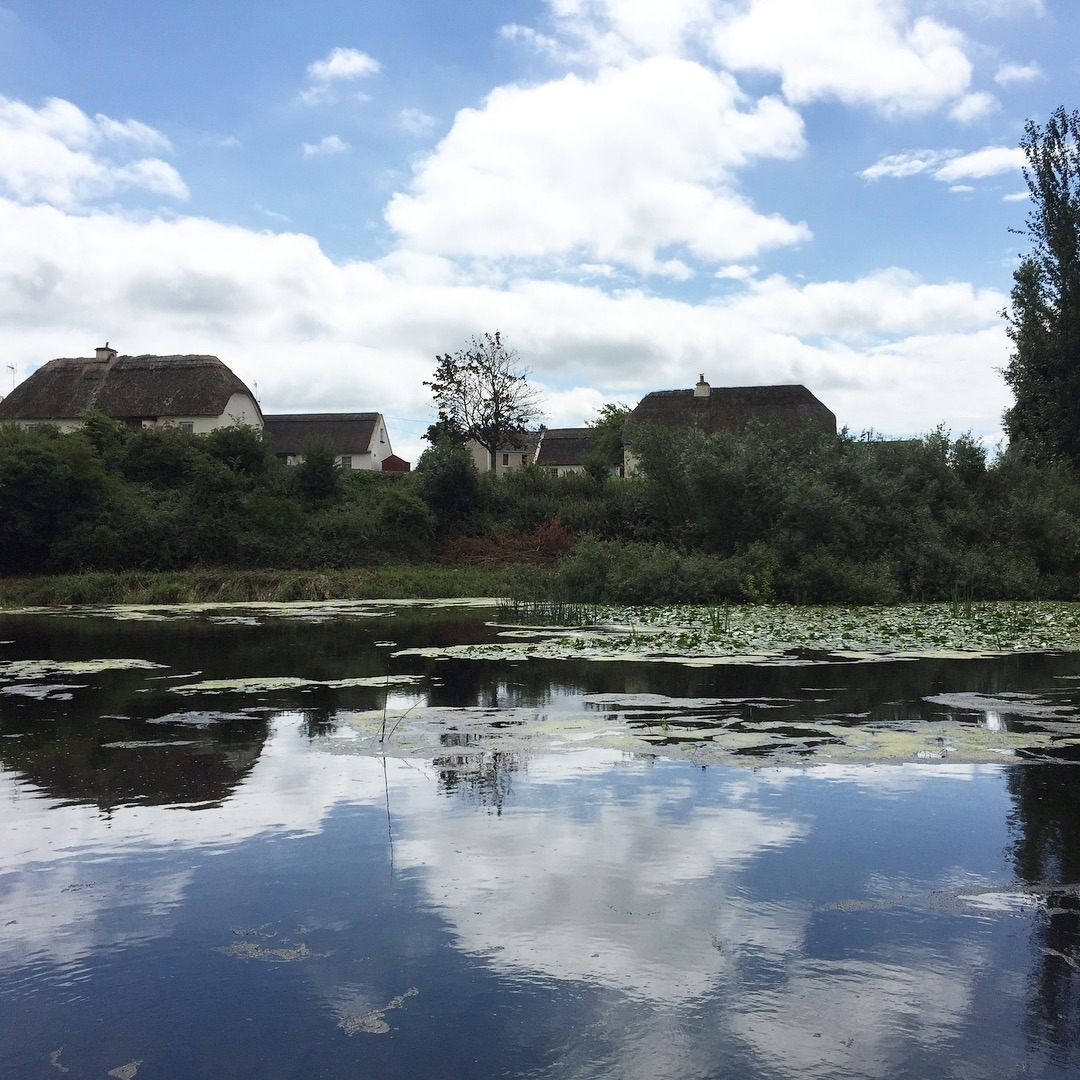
pixel 374 1022
pixel 775 633
pixel 252 950
pixel 42 669
pixel 42 691
pixel 263 685
pixel 125 1072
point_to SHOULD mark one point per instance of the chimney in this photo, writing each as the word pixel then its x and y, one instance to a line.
pixel 702 388
pixel 104 352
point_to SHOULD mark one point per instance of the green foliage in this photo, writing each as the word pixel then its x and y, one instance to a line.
pixel 607 455
pixel 448 482
pixel 482 393
pixel 795 517
pixel 1044 317
pixel 318 478
pixel 242 448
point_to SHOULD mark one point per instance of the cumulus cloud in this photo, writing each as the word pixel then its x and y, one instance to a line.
pixel 860 52
pixel 888 351
pixel 338 66
pixel 325 147
pixel 58 154
pixel 643 173
pixel 1010 74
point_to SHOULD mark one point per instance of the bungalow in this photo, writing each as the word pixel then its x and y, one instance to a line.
pixel 564 450
pixel 359 440
pixel 194 393
pixel 729 409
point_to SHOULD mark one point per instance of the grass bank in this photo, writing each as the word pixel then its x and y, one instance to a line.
pixel 245 586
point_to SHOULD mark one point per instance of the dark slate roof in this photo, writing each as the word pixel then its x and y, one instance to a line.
pixel 348 433
pixel 729 408
pixel 124 387
pixel 565 446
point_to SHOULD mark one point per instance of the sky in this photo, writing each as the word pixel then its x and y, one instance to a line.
pixel 329 194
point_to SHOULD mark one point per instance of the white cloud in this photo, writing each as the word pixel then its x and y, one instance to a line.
pixel 961 189
pixel 416 121
pixel 616 32
pixel 990 161
pixel 948 165
pixel 59 155
pixel 887 351
pixel 1017 196
pixel 339 65
pixel 909 163
pixel 973 107
pixel 645 167
pixel 326 146
pixel 1009 74
pixel 996 8
pixel 860 52
pixel 343 64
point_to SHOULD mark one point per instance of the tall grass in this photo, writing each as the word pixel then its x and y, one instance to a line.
pixel 99 588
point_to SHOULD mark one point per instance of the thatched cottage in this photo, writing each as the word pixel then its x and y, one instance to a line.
pixel 564 450
pixel 729 409
pixel 194 393
pixel 359 440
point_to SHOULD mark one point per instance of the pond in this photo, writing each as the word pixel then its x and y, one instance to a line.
pixel 359 840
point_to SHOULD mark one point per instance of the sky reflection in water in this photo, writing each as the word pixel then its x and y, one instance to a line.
pixel 589 912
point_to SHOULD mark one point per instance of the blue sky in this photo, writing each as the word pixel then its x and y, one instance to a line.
pixel 327 194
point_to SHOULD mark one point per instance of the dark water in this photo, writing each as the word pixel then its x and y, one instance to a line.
pixel 232 883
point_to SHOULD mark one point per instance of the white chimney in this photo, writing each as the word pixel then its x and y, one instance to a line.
pixel 104 352
pixel 702 388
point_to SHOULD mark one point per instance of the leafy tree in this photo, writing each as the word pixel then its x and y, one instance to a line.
pixel 607 452
pixel 482 393
pixel 448 482
pixel 1044 318
pixel 318 479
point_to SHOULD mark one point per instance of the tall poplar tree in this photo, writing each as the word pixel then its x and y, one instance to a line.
pixel 1044 316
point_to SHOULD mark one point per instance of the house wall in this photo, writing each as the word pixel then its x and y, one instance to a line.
pixel 241 410
pixel 505 460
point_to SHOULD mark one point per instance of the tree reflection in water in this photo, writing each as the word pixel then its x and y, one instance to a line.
pixel 484 777
pixel 1046 855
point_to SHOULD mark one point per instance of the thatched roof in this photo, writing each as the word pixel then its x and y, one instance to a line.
pixel 348 433
pixel 565 446
pixel 124 387
pixel 730 408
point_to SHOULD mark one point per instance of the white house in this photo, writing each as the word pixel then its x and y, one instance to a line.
pixel 359 440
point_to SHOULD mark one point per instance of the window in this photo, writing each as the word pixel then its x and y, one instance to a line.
pixel 506 459
pixel 346 461
pixel 188 426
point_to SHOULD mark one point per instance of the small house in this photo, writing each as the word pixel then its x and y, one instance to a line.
pixel 564 450
pixel 359 440
pixel 512 454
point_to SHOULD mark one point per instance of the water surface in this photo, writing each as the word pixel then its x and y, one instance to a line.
pixel 374 862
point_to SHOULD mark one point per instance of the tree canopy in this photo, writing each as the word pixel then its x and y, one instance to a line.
pixel 482 393
pixel 1044 317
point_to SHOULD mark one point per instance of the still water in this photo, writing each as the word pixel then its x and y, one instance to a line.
pixel 303 844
